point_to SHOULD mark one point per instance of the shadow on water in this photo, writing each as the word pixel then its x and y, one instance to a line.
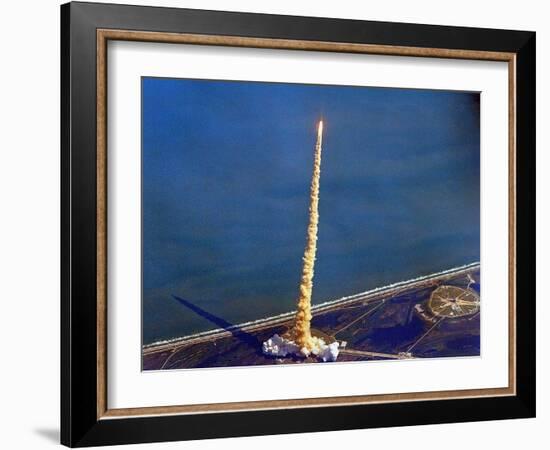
pixel 235 330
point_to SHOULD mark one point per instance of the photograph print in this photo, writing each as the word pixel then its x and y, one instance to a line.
pixel 307 224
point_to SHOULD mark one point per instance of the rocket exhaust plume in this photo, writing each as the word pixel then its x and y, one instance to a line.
pixel 302 326
pixel 299 340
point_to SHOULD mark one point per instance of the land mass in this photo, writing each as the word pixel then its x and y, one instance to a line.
pixel 432 316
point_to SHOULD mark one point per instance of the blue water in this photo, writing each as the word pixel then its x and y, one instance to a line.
pixel 226 171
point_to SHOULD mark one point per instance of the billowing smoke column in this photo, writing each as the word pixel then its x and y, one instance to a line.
pixel 302 330
pixel 300 341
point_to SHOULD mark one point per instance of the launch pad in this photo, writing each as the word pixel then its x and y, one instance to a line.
pixel 453 301
pixel 380 325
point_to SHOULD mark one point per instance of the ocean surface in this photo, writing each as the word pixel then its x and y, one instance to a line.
pixel 226 168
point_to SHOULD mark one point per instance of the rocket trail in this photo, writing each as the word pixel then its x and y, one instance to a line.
pixel 302 327
pixel 299 340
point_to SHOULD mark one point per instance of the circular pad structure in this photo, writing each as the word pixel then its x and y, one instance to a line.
pixel 452 301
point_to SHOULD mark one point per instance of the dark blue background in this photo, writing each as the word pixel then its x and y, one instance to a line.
pixel 226 173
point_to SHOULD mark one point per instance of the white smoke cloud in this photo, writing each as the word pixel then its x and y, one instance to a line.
pixel 279 346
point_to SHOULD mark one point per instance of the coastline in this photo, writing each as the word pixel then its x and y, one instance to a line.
pixel 365 297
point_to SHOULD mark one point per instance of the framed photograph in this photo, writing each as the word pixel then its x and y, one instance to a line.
pixel 276 224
